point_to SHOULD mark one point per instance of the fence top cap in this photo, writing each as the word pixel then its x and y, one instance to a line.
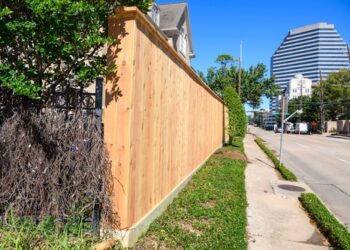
pixel 129 13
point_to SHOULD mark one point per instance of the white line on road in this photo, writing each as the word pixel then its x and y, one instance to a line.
pixel 344 161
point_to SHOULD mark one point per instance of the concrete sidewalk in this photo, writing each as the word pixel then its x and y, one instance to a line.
pixel 275 217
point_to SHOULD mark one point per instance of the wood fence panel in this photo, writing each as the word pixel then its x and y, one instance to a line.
pixel 164 125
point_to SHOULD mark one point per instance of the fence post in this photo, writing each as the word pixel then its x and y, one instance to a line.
pixel 118 111
pixel 98 100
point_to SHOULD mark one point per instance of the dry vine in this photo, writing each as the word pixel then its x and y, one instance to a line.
pixel 51 166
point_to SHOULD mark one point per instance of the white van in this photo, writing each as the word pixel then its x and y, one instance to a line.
pixel 301 128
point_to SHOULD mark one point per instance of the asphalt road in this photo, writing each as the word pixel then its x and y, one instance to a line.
pixel 320 161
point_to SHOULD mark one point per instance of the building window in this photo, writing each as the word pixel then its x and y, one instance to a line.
pixel 155 14
pixel 295 90
pixel 183 42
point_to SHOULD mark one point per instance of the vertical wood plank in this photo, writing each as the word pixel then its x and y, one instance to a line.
pixel 119 112
pixel 163 126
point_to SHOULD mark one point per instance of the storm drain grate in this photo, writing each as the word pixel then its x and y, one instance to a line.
pixel 291 188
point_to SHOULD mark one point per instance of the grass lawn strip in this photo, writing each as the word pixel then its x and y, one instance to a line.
pixel 23 233
pixel 285 172
pixel 210 213
pixel 336 233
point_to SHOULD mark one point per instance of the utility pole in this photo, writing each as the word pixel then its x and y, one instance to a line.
pixel 282 126
pixel 322 103
pixel 239 71
pixel 301 93
pixel 301 98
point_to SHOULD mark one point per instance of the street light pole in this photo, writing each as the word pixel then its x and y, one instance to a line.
pixel 299 111
pixel 301 98
pixel 301 93
pixel 239 71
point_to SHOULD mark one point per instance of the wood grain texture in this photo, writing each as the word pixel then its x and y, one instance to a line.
pixel 165 124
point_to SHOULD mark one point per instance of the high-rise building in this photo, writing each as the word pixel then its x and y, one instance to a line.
pixel 308 50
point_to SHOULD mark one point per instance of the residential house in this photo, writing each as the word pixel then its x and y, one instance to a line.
pixel 173 20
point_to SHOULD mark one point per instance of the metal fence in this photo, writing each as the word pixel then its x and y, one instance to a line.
pixel 63 100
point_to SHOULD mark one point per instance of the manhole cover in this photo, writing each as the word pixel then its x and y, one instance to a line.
pixel 291 188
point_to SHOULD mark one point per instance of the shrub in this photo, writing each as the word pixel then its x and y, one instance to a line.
pixel 51 166
pixel 237 124
pixel 333 130
pixel 336 233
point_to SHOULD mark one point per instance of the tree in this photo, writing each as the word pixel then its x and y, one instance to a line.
pixel 50 44
pixel 311 109
pixel 337 94
pixel 225 59
pixel 254 83
pixel 219 78
pixel 237 118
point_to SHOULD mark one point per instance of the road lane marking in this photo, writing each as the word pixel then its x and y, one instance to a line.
pixel 344 161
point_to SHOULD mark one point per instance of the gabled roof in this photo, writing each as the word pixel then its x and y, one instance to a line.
pixel 170 17
pixel 170 14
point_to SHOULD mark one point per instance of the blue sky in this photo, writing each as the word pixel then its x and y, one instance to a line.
pixel 218 26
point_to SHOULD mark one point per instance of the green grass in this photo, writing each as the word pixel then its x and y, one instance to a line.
pixel 210 213
pixel 336 233
pixel 237 145
pixel 285 172
pixel 21 233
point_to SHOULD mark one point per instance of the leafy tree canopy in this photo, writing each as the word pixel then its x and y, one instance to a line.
pixel 225 59
pixel 311 109
pixel 337 94
pixel 254 83
pixel 46 44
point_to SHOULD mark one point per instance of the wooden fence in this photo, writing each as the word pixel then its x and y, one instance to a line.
pixel 161 121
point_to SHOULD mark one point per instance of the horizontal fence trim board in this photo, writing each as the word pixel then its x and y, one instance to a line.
pixel 127 13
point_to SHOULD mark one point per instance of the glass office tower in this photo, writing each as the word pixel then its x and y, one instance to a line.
pixel 308 51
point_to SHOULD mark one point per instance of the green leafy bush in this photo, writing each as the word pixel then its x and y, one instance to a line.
pixel 50 45
pixel 336 233
pixel 285 172
pixel 237 124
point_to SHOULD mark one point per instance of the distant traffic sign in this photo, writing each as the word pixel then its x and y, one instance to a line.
pixel 279 113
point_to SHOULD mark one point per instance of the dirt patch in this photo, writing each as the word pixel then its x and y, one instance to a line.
pixel 189 228
pixel 151 242
pixel 148 243
pixel 206 222
pixel 232 154
pixel 209 204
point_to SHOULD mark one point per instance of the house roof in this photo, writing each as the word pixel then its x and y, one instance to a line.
pixel 170 14
pixel 170 17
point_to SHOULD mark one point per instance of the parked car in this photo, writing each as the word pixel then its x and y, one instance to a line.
pixel 288 128
pixel 301 128
pixel 278 130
